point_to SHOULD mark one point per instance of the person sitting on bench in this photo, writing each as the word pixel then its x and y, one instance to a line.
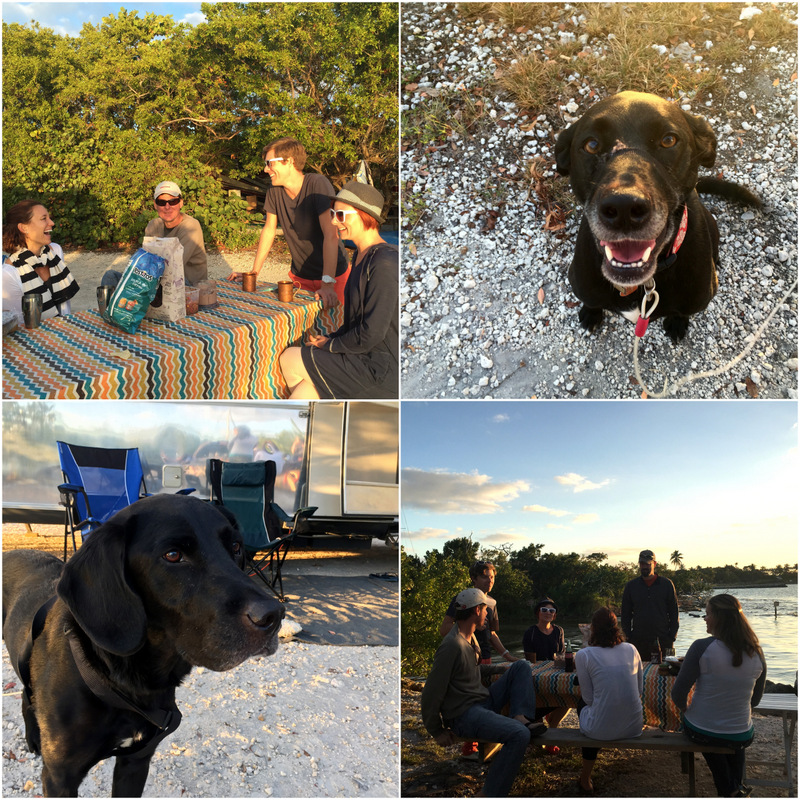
pixel 728 672
pixel 455 703
pixel 610 675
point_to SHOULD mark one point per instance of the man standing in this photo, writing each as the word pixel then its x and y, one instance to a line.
pixel 301 204
pixel 649 609
pixel 455 703
pixel 172 222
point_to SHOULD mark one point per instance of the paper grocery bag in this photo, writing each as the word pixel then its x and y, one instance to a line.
pixel 169 304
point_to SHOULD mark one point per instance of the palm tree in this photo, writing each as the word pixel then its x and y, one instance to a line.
pixel 676 559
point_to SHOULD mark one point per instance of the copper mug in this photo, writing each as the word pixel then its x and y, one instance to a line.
pixel 249 281
pixel 286 291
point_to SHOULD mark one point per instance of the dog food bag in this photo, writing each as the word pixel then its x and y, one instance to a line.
pixel 135 291
pixel 169 305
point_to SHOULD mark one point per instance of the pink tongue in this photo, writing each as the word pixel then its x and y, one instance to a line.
pixel 629 250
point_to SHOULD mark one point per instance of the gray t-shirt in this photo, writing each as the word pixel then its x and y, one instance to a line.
pixel 190 235
pixel 299 219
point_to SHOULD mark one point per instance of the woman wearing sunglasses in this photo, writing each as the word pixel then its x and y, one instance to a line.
pixel 360 359
pixel 539 643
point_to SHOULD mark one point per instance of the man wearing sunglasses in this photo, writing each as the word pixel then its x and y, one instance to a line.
pixel 300 203
pixel 172 222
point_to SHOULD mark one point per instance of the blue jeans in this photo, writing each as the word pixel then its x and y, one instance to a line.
pixel 485 721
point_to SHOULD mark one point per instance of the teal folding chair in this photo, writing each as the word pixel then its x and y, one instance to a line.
pixel 247 491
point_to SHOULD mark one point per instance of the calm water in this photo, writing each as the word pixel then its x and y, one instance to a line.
pixel 778 635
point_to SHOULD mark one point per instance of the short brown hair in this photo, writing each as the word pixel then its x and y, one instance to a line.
pixel 21 213
pixel 479 567
pixel 604 630
pixel 286 147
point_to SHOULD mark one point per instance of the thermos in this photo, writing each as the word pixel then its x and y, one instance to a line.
pixel 569 659
pixel 32 310
pixel 103 296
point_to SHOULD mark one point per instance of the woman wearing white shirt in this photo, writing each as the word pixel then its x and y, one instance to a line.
pixel 610 675
pixel 728 673
pixel 35 264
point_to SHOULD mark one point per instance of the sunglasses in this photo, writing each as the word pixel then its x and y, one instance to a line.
pixel 172 202
pixel 270 161
pixel 340 214
pixel 547 610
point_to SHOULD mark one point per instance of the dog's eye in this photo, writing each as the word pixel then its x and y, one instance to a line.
pixel 237 548
pixel 591 146
pixel 669 140
pixel 173 556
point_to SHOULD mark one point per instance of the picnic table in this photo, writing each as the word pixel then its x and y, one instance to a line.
pixel 555 687
pixel 785 707
pixel 229 352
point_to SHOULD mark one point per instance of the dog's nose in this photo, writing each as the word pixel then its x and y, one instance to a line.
pixel 265 614
pixel 624 211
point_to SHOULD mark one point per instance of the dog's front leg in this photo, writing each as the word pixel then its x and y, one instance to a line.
pixel 62 781
pixel 130 775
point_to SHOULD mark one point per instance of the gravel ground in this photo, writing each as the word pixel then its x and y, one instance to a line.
pixel 311 721
pixel 486 309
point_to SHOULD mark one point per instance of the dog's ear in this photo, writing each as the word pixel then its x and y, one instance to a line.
pixel 95 589
pixel 705 150
pixel 234 523
pixel 563 147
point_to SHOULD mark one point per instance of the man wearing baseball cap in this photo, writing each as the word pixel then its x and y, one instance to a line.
pixel 172 222
pixel 649 609
pixel 456 704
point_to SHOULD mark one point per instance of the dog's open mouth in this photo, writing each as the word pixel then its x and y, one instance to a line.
pixel 629 262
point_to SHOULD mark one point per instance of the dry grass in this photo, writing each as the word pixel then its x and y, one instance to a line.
pixel 620 52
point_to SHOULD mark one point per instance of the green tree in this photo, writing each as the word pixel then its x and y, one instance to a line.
pixel 427 586
pixel 676 559
pixel 91 123
pixel 463 550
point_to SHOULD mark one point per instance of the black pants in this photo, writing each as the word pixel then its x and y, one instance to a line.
pixel 726 770
pixel 587 753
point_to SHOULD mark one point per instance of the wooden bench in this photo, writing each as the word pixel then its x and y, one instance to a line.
pixel 651 739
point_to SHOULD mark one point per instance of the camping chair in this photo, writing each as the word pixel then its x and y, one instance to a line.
pixel 247 490
pixel 98 482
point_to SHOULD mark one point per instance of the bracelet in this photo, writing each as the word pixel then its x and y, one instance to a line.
pixel 505 653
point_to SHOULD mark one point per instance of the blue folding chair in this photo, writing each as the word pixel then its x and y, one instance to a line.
pixel 98 482
pixel 247 491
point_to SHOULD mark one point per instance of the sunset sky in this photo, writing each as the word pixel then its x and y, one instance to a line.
pixel 716 481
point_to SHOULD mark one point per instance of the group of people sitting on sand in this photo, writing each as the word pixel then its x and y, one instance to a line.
pixel 358 360
pixel 726 669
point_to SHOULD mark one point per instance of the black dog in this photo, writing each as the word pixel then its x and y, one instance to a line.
pixel 633 160
pixel 157 589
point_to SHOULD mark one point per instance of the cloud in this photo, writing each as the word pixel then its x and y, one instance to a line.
pixel 426 533
pixel 551 526
pixel 195 18
pixel 501 418
pixel 457 492
pixel 585 519
pixel 579 483
pixel 553 512
pixel 502 538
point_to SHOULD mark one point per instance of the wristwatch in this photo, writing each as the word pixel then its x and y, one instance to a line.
pixel 328 279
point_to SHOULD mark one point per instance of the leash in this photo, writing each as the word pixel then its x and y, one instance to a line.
pixel 691 377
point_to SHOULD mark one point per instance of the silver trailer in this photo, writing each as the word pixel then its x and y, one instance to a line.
pixel 342 457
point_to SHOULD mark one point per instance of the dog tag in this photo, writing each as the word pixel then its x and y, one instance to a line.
pixel 641 326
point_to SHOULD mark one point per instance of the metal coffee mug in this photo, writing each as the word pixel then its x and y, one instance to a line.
pixel 103 296
pixel 286 291
pixel 249 281
pixel 32 310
